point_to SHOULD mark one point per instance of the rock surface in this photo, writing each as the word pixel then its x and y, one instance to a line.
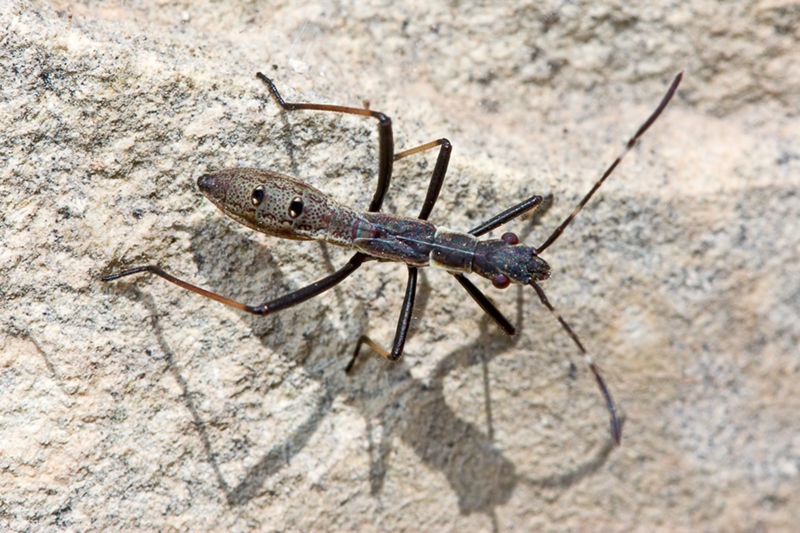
pixel 138 405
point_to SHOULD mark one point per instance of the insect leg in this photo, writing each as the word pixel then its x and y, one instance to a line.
pixel 439 172
pixel 385 136
pixel 404 321
pixel 486 304
pixel 509 214
pixel 288 300
pixel 616 426
pixel 434 187
pixel 363 339
pixel 401 333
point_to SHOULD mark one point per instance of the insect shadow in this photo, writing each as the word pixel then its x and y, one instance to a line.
pixel 417 412
pixel 396 405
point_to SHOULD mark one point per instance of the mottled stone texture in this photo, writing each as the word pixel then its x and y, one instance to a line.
pixel 137 405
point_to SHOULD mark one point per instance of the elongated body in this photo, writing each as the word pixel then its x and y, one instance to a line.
pixel 284 207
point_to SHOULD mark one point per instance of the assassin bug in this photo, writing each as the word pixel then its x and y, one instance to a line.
pixel 284 207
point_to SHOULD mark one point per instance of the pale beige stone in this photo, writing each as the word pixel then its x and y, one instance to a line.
pixel 137 405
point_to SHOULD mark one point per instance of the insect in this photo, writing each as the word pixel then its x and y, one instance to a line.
pixel 280 206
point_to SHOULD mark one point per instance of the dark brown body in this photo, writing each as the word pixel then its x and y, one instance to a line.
pixel 284 207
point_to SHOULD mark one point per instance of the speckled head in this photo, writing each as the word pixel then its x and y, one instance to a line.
pixel 213 188
pixel 269 202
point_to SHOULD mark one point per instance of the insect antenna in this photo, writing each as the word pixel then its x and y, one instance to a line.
pixel 631 143
pixel 616 426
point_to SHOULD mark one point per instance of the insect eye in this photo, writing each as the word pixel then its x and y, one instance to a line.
pixel 501 281
pixel 258 195
pixel 296 207
pixel 510 238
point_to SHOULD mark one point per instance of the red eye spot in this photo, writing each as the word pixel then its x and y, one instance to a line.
pixel 510 238
pixel 501 281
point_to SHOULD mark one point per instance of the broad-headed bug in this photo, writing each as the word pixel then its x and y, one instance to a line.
pixel 284 207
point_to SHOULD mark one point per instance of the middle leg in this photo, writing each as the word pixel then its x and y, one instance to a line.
pixel 432 194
